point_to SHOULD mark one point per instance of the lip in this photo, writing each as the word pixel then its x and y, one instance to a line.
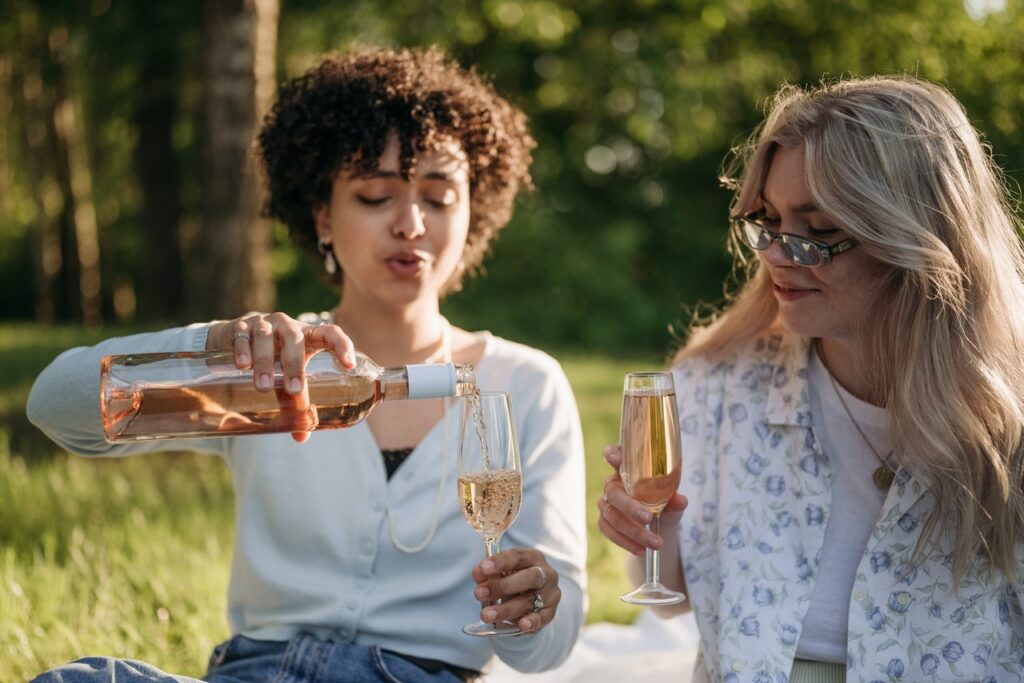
pixel 785 291
pixel 406 264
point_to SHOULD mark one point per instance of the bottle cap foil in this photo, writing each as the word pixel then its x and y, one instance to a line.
pixel 434 380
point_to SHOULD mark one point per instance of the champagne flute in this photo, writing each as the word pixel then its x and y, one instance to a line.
pixel 490 480
pixel 651 465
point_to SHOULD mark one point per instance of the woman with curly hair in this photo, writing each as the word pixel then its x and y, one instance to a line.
pixel 853 421
pixel 394 169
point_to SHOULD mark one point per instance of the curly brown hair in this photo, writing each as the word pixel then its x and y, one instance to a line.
pixel 339 114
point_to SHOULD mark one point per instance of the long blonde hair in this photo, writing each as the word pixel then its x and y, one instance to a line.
pixel 897 164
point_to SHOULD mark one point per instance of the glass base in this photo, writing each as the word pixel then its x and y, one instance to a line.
pixel 499 630
pixel 653 594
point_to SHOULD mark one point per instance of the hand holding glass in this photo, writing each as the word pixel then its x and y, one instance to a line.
pixel 490 480
pixel 651 465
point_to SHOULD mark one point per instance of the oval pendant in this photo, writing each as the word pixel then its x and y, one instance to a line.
pixel 883 477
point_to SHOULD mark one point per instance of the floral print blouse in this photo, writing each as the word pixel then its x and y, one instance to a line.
pixel 758 485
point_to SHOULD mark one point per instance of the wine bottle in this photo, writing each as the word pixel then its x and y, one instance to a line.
pixel 175 395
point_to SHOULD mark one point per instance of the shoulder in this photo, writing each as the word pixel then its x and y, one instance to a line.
pixel 520 357
pixel 763 365
pixel 773 351
pixel 523 370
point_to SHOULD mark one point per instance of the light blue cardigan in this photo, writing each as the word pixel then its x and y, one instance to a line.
pixel 312 547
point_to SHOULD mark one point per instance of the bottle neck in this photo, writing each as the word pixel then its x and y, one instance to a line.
pixel 465 379
pixel 435 380
pixel 394 384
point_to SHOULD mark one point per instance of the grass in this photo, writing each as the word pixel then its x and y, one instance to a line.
pixel 130 557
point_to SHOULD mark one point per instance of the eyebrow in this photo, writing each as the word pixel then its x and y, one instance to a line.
pixel 806 207
pixel 389 175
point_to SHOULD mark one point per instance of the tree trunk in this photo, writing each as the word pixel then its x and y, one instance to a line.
pixel 6 134
pixel 83 223
pixel 265 70
pixel 37 144
pixel 232 250
pixel 46 166
pixel 156 167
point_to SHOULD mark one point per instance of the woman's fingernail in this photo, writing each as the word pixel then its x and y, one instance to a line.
pixel 243 359
pixel 490 615
pixel 350 357
pixel 263 382
pixel 645 517
pixel 482 592
pixel 487 566
pixel 294 385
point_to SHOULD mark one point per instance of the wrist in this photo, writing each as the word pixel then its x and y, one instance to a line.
pixel 214 334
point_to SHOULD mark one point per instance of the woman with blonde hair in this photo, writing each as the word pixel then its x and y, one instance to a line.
pixel 853 421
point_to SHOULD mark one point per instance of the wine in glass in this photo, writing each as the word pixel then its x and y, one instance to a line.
pixel 490 479
pixel 651 465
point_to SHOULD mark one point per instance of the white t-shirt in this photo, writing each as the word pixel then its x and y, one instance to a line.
pixel 856 504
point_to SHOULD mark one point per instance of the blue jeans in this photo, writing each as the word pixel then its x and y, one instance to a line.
pixel 303 659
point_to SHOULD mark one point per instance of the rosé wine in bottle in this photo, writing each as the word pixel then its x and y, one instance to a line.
pixel 182 395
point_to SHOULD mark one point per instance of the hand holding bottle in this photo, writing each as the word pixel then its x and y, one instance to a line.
pixel 257 340
pixel 215 393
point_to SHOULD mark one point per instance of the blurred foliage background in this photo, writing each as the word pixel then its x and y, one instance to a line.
pixel 108 196
pixel 127 202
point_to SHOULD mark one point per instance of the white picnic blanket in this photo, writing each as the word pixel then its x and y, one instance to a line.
pixel 650 649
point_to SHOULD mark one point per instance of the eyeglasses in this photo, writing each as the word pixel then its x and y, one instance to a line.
pixel 799 250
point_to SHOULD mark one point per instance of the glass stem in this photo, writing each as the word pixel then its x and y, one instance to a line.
pixel 493 545
pixel 651 564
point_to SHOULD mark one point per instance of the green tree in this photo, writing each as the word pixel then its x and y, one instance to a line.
pixel 634 104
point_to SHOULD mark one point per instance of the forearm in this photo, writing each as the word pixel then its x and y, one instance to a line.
pixel 64 400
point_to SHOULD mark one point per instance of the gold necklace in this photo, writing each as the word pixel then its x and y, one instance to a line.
pixel 445 357
pixel 884 475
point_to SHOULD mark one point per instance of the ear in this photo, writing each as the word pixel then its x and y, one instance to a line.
pixel 322 221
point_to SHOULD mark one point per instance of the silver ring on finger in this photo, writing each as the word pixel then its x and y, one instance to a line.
pixel 538 602
pixel 238 336
pixel 543 576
